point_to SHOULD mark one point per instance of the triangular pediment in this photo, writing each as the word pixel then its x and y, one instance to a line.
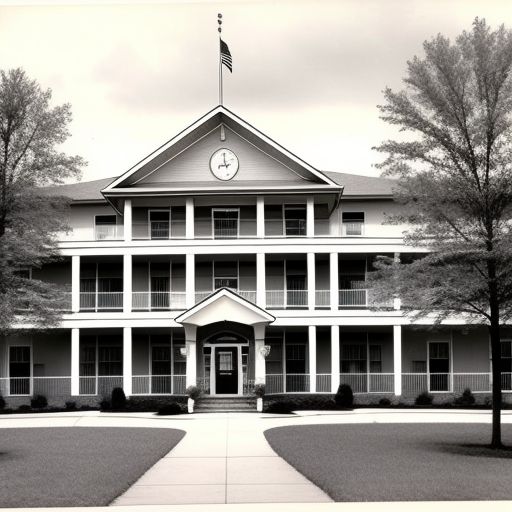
pixel 184 162
pixel 224 305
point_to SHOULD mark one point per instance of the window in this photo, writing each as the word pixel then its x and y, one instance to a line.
pixel 19 370
pixel 506 365
pixel 87 359
pixel 225 222
pixel 353 358
pixel 295 358
pixel 375 359
pixel 439 365
pixel 353 223
pixel 180 362
pixel 295 220
pixel 225 361
pixel 225 275
pixel 110 360
pixel 105 227
pixel 159 224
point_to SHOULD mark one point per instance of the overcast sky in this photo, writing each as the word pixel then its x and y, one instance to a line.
pixel 307 73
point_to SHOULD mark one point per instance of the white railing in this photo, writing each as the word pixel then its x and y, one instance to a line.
pixel 246 294
pixel 101 385
pixel 51 386
pixel 353 298
pixel 285 228
pixel 158 230
pixel 322 298
pixel 369 382
pixel 287 299
pixel 297 383
pixel 148 301
pixel 476 382
pixel 95 301
pixel 323 382
pixel 353 228
pixel 158 384
pixel 274 383
pixel 108 232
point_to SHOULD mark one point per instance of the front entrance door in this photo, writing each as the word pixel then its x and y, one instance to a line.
pixel 226 370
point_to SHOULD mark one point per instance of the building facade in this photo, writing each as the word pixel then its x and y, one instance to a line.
pixel 223 260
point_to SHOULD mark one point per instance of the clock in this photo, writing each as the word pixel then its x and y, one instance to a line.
pixel 224 164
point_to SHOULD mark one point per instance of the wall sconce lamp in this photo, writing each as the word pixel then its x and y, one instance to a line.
pixel 265 350
pixel 184 351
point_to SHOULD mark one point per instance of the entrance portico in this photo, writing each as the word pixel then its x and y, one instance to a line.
pixel 225 339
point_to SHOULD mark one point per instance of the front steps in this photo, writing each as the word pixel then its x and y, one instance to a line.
pixel 225 404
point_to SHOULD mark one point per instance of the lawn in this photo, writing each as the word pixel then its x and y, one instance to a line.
pixel 390 462
pixel 58 467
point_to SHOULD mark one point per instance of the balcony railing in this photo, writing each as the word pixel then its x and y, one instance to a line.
pixel 285 228
pixel 98 301
pixel 353 298
pixel 322 298
pixel 150 301
pixel 109 232
pixel 369 382
pixel 158 230
pixel 246 294
pixel 287 299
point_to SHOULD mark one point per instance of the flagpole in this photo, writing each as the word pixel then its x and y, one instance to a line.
pixel 219 21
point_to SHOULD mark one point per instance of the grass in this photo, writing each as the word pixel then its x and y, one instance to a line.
pixel 62 467
pixel 391 462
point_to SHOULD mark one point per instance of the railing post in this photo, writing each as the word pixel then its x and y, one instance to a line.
pixel 75 361
pixel 127 360
pixel 311 280
pixel 127 220
pixel 334 280
pixel 312 358
pixel 397 358
pixel 75 284
pixel 127 283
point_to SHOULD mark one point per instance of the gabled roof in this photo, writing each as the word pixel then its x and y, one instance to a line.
pixel 219 116
pixel 85 191
pixel 357 185
pixel 224 305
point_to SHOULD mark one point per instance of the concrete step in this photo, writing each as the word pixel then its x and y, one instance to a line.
pixel 228 404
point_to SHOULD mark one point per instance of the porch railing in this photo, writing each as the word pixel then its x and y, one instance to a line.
pixel 109 232
pixel 101 385
pixel 246 294
pixel 369 382
pixel 322 298
pixel 287 299
pixel 158 384
pixel 353 298
pixel 97 301
pixel 323 382
pixel 148 301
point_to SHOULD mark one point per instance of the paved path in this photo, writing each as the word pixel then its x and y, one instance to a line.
pixel 224 458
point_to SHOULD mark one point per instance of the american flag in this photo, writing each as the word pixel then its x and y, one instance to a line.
pixel 225 56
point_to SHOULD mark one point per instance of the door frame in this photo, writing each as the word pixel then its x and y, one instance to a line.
pixel 213 369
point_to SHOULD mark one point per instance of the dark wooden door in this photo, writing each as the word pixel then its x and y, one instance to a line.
pixel 226 370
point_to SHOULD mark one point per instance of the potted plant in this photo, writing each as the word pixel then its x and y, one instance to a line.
pixel 259 391
pixel 193 393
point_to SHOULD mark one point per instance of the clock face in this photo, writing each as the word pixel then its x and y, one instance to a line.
pixel 224 164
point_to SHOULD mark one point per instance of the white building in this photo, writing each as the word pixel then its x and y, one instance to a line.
pixel 222 260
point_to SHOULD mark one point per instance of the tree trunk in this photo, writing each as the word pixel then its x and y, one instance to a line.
pixel 494 331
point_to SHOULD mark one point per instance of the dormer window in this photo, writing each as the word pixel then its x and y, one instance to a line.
pixel 353 223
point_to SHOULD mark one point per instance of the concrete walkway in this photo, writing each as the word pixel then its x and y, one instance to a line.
pixel 222 459
pixel 225 459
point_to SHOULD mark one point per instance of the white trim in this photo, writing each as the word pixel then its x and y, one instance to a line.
pixel 213 368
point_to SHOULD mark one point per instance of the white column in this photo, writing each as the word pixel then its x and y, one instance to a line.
pixel 397 358
pixel 127 220
pixel 127 360
pixel 189 218
pixel 335 358
pixel 259 359
pixel 312 358
pixel 311 280
pixel 190 280
pixel 191 364
pixel 127 283
pixel 75 284
pixel 75 362
pixel 334 280
pixel 260 217
pixel 310 217
pixel 261 299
